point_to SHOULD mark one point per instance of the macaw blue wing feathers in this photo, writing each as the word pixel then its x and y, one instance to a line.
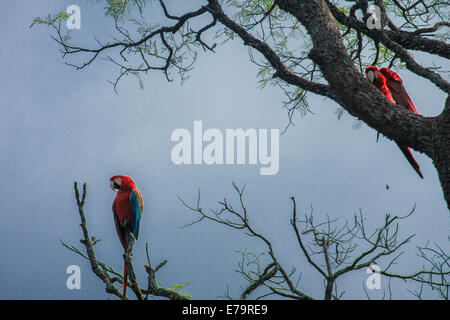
pixel 136 207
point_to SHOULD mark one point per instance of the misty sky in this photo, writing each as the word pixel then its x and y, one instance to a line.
pixel 59 125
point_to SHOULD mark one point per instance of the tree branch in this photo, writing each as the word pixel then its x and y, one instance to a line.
pixel 282 71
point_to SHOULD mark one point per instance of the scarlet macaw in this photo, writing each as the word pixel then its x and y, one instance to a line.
pixel 390 84
pixel 127 208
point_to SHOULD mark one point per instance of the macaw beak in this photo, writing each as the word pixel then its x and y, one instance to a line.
pixel 371 76
pixel 115 185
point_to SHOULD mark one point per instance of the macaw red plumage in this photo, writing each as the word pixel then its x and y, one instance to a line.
pixel 390 84
pixel 127 208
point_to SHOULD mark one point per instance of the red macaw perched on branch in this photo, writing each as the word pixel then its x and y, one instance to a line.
pixel 127 208
pixel 390 84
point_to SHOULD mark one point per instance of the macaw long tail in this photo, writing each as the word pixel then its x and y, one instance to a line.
pixel 124 283
pixel 408 155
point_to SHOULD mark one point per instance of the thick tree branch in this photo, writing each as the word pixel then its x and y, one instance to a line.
pixel 282 71
pixel 267 274
pixel 408 40
pixel 100 272
pixel 398 42
pixel 360 98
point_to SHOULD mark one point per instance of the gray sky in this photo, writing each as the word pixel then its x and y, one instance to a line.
pixel 59 125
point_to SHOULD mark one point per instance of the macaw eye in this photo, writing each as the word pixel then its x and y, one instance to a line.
pixel 116 185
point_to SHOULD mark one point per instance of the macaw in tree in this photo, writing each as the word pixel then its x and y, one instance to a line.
pixel 390 84
pixel 127 208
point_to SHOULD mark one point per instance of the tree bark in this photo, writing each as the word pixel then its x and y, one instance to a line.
pixel 441 154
